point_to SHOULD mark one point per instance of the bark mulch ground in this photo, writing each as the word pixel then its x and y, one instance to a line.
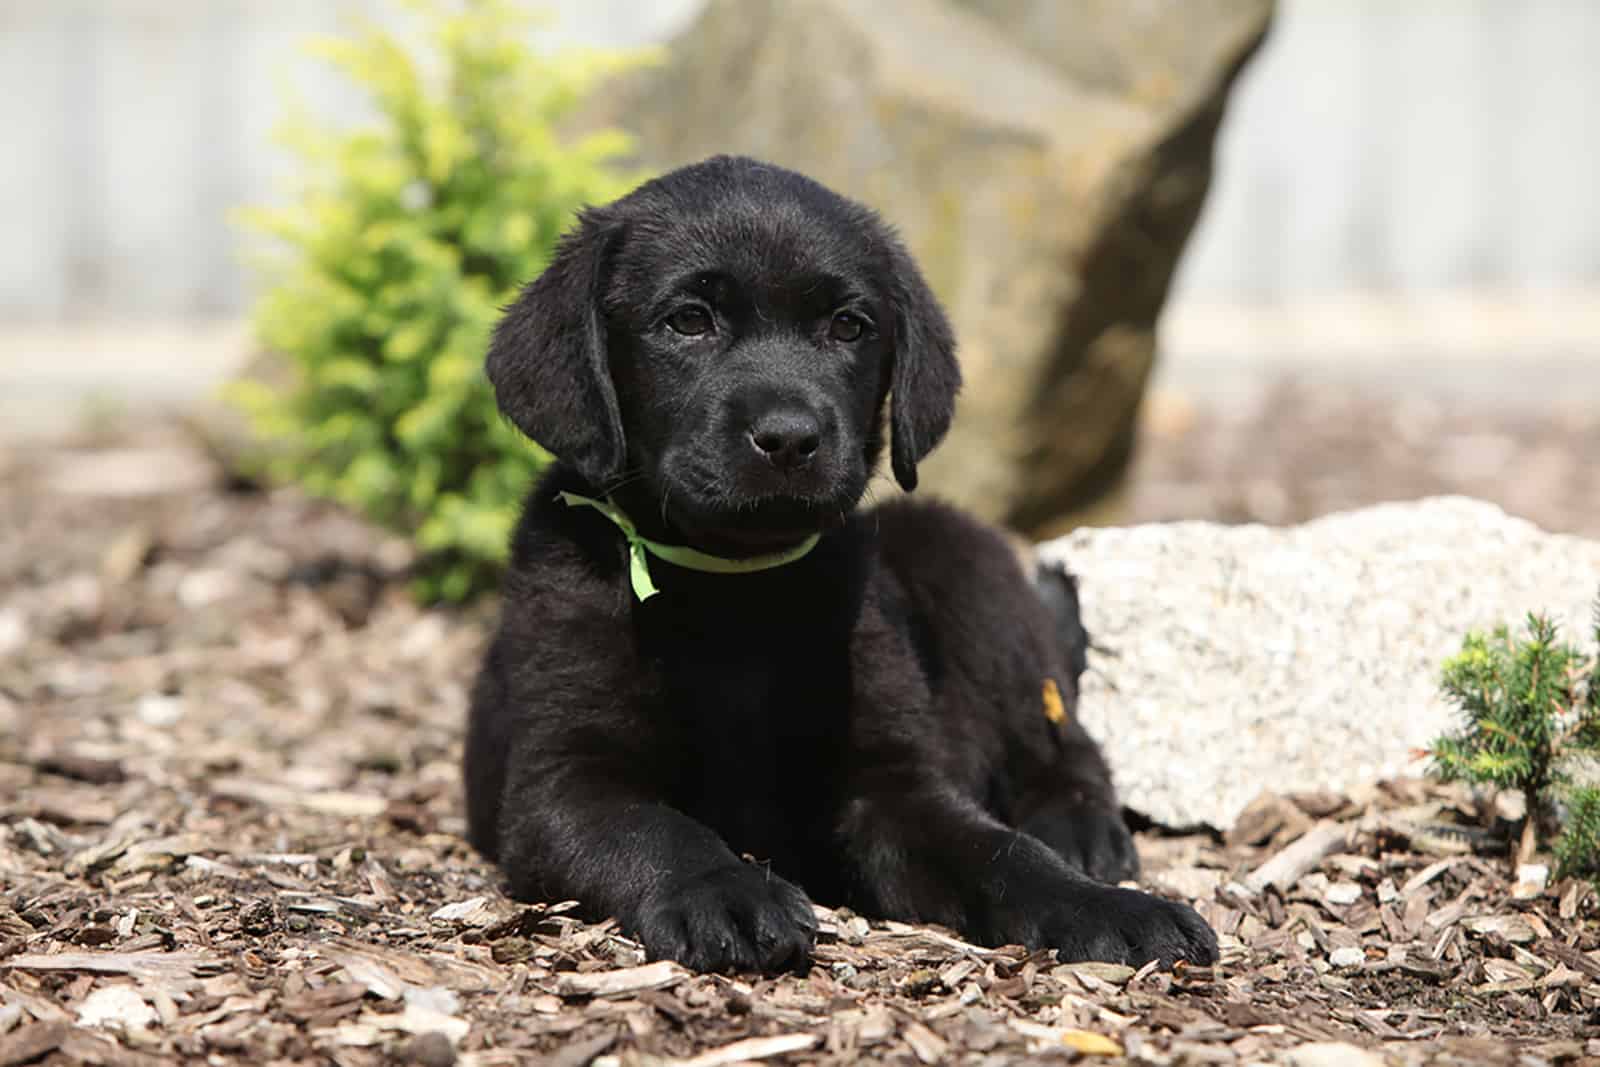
pixel 230 833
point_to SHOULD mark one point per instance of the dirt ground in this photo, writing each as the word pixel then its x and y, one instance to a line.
pixel 230 824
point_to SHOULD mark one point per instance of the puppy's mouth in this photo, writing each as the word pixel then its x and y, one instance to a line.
pixel 769 525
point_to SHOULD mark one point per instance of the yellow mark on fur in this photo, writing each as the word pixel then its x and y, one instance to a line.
pixel 1054 709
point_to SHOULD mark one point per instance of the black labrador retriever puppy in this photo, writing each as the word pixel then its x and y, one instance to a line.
pixel 715 681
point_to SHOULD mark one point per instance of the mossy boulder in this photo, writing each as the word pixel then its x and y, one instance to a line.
pixel 1045 161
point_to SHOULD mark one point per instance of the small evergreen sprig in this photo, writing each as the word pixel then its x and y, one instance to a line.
pixel 1531 709
pixel 1577 850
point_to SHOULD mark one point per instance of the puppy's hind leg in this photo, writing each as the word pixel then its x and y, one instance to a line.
pixel 1073 807
pixel 1087 830
pixel 1058 588
pixel 919 851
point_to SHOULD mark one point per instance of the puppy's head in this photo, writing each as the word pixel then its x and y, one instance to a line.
pixel 722 341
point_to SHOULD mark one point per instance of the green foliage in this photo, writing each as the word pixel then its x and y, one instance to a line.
pixel 1578 849
pixel 402 240
pixel 1530 707
pixel 1511 692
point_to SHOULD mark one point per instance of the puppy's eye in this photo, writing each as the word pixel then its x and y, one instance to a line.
pixel 690 321
pixel 847 326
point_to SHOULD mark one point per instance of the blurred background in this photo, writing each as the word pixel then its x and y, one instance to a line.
pixel 1358 260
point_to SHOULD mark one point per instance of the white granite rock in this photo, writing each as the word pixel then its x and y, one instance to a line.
pixel 1234 659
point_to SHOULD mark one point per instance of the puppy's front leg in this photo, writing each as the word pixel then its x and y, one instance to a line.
pixel 584 830
pixel 922 851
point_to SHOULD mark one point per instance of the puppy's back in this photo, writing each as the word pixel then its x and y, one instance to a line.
pixel 969 584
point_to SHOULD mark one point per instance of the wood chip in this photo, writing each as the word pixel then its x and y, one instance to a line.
pixel 319 1001
pixel 31 1042
pixel 1514 928
pixel 71 805
pixel 915 938
pixel 1572 896
pixel 324 802
pixel 98 855
pixel 953 975
pixel 1448 915
pixel 159 853
pixel 1562 976
pixel 877 1026
pixel 582 1053
pixel 1116 974
pixel 1082 1007
pixel 1506 971
pixel 164 966
pixel 85 1047
pixel 475 911
pixel 1427 874
pixel 1415 917
pixel 751 1048
pixel 1578 961
pixel 82 768
pixel 1300 857
pixel 628 980
pixel 926 1045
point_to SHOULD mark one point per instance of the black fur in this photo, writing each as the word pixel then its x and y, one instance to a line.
pixel 867 722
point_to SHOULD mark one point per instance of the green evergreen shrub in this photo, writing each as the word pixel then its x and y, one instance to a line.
pixel 1530 711
pixel 388 266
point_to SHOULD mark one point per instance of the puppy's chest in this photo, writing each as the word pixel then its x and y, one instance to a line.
pixel 759 738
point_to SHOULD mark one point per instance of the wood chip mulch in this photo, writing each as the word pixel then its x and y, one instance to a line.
pixel 230 834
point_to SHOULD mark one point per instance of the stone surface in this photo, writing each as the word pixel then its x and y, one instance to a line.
pixel 1044 160
pixel 1236 659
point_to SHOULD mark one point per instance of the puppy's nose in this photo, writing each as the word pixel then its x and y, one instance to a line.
pixel 788 438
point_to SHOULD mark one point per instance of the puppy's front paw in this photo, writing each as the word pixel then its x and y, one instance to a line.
pixel 1096 841
pixel 736 918
pixel 1127 926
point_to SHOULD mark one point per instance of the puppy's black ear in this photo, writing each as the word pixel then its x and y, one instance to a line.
pixel 926 377
pixel 547 361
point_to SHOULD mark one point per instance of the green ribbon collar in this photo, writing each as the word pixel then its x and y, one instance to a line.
pixel 641 547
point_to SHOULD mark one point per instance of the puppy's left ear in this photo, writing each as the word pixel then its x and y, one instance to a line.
pixel 548 362
pixel 926 377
